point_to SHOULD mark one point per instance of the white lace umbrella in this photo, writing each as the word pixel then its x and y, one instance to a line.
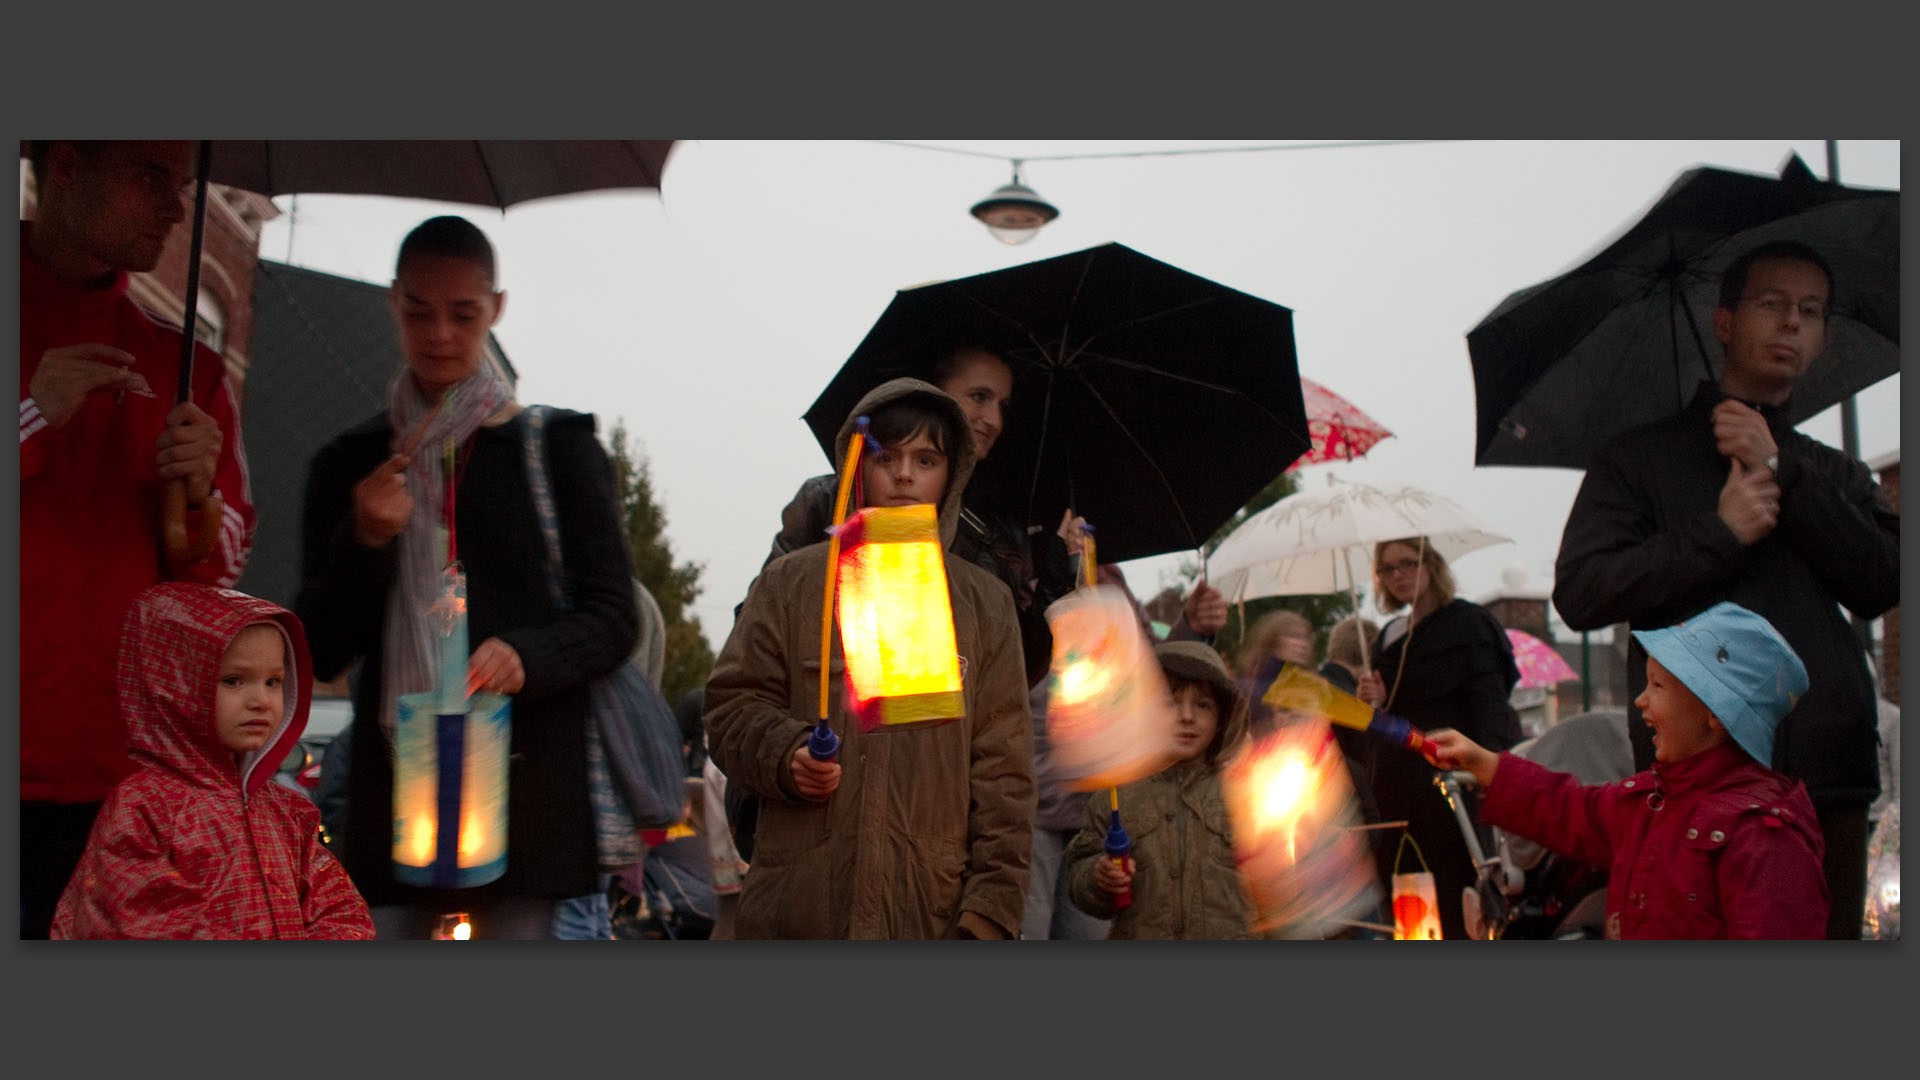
pixel 1317 542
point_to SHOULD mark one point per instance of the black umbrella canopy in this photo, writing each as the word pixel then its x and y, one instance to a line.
pixel 483 172
pixel 1152 401
pixel 1624 339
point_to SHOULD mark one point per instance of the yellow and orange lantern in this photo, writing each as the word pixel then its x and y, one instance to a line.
pixel 896 618
pixel 887 580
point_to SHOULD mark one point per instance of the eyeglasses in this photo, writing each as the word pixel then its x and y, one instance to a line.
pixel 1392 569
pixel 1776 306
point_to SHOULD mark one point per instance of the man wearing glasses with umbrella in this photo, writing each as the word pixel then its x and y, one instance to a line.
pixel 97 446
pixel 1726 501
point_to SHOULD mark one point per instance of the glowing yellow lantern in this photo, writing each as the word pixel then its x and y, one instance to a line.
pixel 1304 868
pixel 896 618
pixel 450 791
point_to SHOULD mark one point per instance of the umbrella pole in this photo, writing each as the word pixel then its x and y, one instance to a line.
pixel 173 510
pixel 1849 418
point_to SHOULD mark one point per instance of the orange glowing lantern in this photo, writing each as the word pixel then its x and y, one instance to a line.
pixel 1305 868
pixel 896 619
pixel 1108 719
pixel 1416 899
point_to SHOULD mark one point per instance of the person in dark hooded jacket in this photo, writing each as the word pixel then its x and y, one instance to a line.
pixel 200 842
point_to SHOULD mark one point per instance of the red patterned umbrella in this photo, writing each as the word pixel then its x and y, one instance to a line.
pixel 1340 431
pixel 1539 664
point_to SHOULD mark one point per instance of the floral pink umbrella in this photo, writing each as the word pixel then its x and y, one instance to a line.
pixel 1340 431
pixel 1539 664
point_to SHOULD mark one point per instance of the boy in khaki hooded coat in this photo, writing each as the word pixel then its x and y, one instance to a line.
pixel 920 832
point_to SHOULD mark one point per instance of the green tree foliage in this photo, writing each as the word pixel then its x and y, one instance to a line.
pixel 674 586
pixel 1321 611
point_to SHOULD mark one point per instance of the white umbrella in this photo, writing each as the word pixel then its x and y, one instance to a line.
pixel 1317 542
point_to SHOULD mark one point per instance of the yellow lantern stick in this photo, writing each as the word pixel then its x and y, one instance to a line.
pixel 847 471
pixel 1091 566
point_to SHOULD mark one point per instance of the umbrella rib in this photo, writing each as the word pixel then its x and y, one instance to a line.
pixel 1149 369
pixel 1173 497
pixel 1040 450
pixel 1073 302
pixel 486 167
pixel 1124 323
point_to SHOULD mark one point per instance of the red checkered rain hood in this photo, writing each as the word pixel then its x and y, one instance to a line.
pixel 170 649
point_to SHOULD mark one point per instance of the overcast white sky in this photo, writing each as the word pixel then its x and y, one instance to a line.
pixel 709 315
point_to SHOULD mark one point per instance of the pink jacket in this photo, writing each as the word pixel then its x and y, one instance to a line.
pixel 196 844
pixel 1716 846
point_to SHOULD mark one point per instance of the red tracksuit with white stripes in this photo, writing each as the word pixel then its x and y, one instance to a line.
pixel 90 526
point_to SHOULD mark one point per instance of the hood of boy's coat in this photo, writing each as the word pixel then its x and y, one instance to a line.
pixel 170 649
pixel 960 459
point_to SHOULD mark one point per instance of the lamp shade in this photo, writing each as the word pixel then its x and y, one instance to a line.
pixel 896 618
pixel 1014 213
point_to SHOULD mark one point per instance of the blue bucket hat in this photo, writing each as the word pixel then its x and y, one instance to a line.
pixel 1738 665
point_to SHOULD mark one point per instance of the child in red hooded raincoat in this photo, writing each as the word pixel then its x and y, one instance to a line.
pixel 200 842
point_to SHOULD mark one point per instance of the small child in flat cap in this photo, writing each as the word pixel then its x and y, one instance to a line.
pixel 1710 842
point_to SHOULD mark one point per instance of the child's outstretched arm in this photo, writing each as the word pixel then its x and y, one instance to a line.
pixel 128 883
pixel 1452 750
pixel 1548 807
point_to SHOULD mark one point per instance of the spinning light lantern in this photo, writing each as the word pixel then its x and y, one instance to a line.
pixel 1305 868
pixel 1108 721
pixel 450 767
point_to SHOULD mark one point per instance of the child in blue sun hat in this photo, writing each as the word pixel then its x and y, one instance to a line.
pixel 1710 842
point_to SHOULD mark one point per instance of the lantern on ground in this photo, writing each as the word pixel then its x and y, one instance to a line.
pixel 450 767
pixel 896 618
pixel 1416 899
pixel 453 927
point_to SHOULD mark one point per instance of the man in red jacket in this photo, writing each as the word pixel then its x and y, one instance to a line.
pixel 100 437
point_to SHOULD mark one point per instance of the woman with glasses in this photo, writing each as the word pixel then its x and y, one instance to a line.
pixel 1446 663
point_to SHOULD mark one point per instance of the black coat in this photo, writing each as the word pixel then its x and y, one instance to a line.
pixel 1644 544
pixel 1458 672
pixel 343 599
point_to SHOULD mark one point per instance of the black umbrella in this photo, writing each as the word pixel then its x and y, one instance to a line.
pixel 483 172
pixel 1152 401
pixel 1626 338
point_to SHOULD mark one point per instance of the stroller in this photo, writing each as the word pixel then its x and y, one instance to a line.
pixel 1521 889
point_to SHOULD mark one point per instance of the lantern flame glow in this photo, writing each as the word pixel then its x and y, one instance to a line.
pixel 896 619
pixel 1289 803
pixel 470 847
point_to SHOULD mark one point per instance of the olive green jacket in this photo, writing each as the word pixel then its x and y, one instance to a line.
pixel 1184 881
